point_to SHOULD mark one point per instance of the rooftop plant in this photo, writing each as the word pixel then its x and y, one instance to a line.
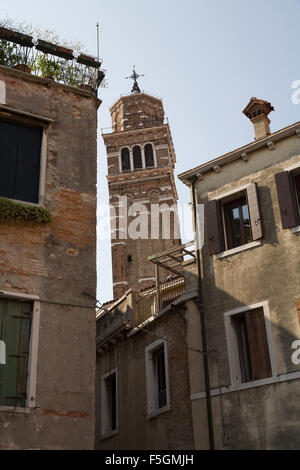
pixel 18 212
pixel 52 57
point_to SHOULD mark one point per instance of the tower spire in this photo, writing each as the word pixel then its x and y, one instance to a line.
pixel 135 76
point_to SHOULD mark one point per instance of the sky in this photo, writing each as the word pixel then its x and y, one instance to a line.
pixel 206 59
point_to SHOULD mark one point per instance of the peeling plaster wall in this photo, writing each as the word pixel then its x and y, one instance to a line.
pixel 57 262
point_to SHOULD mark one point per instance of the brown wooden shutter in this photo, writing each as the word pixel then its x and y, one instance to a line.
pixel 289 212
pixel 258 344
pixel 254 213
pixel 298 309
pixel 214 229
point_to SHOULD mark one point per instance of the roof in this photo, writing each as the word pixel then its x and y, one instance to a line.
pixel 240 152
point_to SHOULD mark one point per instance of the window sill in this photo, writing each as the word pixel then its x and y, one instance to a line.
pixel 109 434
pixel 249 385
pixel 238 249
pixel 12 409
pixel 295 229
pixel 158 412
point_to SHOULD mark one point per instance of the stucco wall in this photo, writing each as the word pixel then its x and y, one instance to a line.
pixel 264 417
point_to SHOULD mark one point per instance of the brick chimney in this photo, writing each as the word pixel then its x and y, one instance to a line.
pixel 257 111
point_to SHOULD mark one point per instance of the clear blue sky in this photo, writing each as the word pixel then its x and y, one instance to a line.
pixel 206 59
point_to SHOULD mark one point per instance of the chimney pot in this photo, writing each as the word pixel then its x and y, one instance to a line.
pixel 257 111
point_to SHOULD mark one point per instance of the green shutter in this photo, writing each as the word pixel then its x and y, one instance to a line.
pixel 16 326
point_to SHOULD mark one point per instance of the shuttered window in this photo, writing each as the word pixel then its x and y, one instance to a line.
pixel 15 328
pixel 214 229
pixel 233 223
pixel 287 191
pixel 253 348
pixel 20 161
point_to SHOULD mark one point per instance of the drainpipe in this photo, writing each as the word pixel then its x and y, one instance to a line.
pixel 200 306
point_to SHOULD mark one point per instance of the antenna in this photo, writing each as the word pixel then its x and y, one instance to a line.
pixel 97 26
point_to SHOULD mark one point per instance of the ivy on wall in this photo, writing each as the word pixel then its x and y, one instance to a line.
pixel 19 212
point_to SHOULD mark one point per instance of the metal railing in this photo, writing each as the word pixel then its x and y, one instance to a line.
pixel 138 123
pixel 158 298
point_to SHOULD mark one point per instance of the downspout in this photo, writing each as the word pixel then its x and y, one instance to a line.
pixel 200 306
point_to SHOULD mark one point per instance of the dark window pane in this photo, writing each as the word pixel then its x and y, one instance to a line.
pixel 125 159
pixel 239 322
pixel 20 161
pixel 237 221
pixel 137 157
pixel 159 361
pixel 112 401
pixel 149 158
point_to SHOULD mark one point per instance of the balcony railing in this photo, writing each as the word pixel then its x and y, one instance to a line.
pixel 153 301
pixel 133 309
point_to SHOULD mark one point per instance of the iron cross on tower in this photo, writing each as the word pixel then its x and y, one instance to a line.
pixel 134 77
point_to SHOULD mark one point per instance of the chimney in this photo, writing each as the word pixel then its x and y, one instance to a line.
pixel 257 111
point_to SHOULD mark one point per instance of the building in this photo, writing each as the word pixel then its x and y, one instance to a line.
pixel 141 161
pixel 250 284
pixel 47 260
pixel 142 379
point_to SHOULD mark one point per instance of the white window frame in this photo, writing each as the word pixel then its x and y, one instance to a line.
pixel 105 420
pixel 232 344
pixel 43 169
pixel 33 349
pixel 151 384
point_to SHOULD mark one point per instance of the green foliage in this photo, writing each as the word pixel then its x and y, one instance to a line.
pixel 16 211
pixel 45 65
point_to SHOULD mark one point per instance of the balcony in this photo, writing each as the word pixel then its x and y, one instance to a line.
pixel 134 308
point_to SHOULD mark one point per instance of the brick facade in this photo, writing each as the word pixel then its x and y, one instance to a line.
pixel 54 263
pixel 138 119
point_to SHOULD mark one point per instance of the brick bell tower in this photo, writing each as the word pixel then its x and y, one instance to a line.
pixel 141 160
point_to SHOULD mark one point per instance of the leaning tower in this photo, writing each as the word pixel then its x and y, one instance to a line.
pixel 141 159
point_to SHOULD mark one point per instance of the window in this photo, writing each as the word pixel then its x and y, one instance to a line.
pixel 125 158
pixel 109 412
pixel 157 377
pixel 237 223
pixel 20 161
pixel 158 359
pixel 15 331
pixel 249 348
pixel 137 157
pixel 233 220
pixel 149 157
pixel 288 192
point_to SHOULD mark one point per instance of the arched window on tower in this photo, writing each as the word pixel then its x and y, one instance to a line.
pixel 125 158
pixel 137 157
pixel 149 157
